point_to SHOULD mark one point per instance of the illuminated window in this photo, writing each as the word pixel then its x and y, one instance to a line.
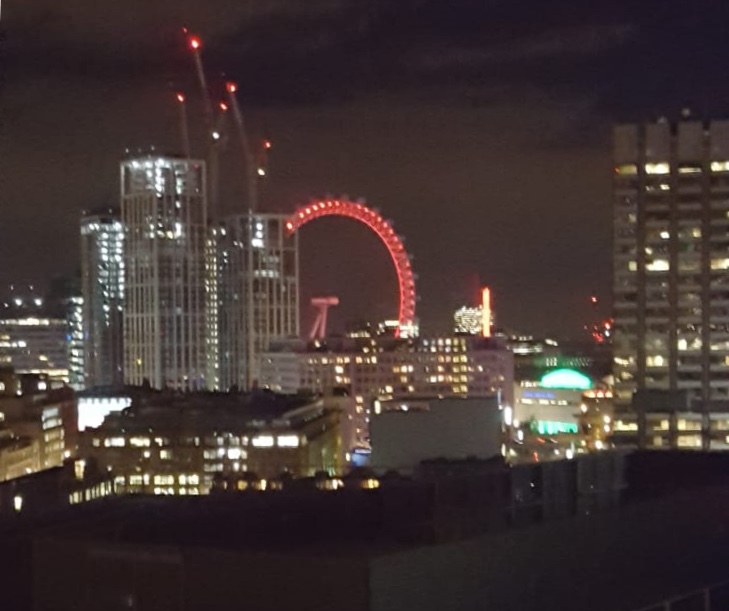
pixel 720 264
pixel 655 360
pixel 658 265
pixel 689 169
pixel 657 168
pixel 288 441
pixel 720 166
pixel 262 441
pixel 627 169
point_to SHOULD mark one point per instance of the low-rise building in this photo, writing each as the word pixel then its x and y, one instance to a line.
pixel 178 444
pixel 406 433
pixel 47 418
pixel 33 344
pixel 389 368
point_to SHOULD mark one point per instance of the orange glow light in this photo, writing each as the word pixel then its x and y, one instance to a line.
pixel 486 312
pixel 195 42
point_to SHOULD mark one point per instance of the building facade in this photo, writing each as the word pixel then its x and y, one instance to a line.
pixel 38 345
pixel 102 292
pixel 384 368
pixel 257 283
pixel 671 263
pixel 181 444
pixel 166 307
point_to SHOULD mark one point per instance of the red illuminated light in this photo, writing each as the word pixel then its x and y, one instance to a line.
pixel 223 106
pixel 231 87
pixel 371 218
pixel 181 98
pixel 195 42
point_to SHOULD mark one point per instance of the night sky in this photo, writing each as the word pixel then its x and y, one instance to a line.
pixel 482 129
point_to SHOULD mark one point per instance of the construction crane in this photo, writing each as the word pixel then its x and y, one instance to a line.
pixel 184 129
pixel 251 172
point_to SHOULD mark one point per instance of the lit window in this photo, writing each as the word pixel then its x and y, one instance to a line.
pixel 287 441
pixel 658 265
pixel 657 168
pixel 720 166
pixel 262 441
pixel 655 361
pixel 689 169
pixel 114 442
pixel 720 264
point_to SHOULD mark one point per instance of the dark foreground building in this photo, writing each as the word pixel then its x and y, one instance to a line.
pixel 456 536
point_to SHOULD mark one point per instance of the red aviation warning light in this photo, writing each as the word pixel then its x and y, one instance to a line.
pixel 194 42
pixel 223 106
pixel 180 98
pixel 231 87
pixel 267 144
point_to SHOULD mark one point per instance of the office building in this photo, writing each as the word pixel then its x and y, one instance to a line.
pixel 257 284
pixel 102 297
pixel 75 343
pixel 30 344
pixel 173 444
pixel 46 418
pixel 478 320
pixel 165 301
pixel 671 265
pixel 384 368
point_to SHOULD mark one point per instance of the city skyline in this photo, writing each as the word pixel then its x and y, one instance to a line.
pixel 505 129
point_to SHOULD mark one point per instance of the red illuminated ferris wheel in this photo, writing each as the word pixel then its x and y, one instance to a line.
pixel 372 219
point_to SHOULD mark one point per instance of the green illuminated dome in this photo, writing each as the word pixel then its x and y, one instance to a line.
pixel 566 378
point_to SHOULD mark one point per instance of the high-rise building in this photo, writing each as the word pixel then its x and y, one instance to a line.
pixel 671 269
pixel 166 307
pixel 75 343
pixel 102 290
pixel 257 284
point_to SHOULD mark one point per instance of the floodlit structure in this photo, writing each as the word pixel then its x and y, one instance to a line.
pixel 477 320
pixel 102 289
pixel 164 211
pixel 671 268
pixel 257 284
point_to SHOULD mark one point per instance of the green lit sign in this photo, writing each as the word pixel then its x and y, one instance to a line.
pixel 549 427
pixel 566 378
